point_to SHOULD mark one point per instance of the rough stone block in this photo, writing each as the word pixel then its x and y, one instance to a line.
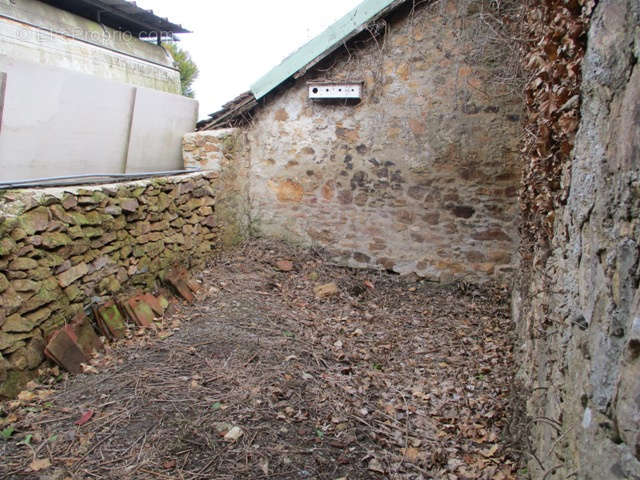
pixel 129 205
pixel 61 214
pixel 91 198
pixel 40 273
pixel 23 263
pixel 160 226
pixel 35 220
pixel 18 234
pixel 34 352
pixel 113 210
pixel 43 297
pixel 79 218
pixel 18 359
pixel 18 324
pixel 8 340
pixel 94 218
pixel 109 285
pixel 92 232
pixel 26 285
pixel 75 232
pixel 50 260
pixel 69 201
pixel 55 239
pixel 74 273
pixel 73 293
pixel 39 316
pixel 7 246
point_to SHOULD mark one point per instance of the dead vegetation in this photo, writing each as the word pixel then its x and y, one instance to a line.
pixel 552 60
pixel 262 379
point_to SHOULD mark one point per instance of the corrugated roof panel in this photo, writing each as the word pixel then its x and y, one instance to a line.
pixel 323 44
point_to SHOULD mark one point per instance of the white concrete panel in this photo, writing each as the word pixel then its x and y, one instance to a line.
pixel 58 122
pixel 159 122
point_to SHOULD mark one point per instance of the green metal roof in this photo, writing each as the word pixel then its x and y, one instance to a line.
pixel 325 43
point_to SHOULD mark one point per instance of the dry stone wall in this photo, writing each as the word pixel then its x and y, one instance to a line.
pixel 421 176
pixel 579 314
pixel 62 249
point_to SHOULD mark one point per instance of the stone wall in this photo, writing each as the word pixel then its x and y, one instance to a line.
pixel 421 176
pixel 62 249
pixel 225 153
pixel 579 314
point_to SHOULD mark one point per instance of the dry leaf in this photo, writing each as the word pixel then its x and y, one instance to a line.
pixel 40 464
pixel 234 434
pixel 284 266
pixel 264 466
pixel 412 454
pixel 44 394
pixel 375 466
pixel 490 452
pixel 26 396
pixel 84 418
pixel 326 290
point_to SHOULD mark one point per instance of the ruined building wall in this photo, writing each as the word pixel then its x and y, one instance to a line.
pixel 421 176
pixel 579 312
pixel 61 248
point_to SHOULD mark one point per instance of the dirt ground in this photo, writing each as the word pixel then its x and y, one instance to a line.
pixel 387 378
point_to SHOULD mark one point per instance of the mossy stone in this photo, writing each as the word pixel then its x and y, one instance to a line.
pixel 23 263
pixel 92 232
pixel 51 260
pixel 95 218
pixel 55 239
pixel 18 234
pixel 8 340
pixel 40 273
pixel 18 324
pixel 76 232
pixel 79 218
pixel 34 221
pixel 73 293
pixel 16 380
pixel 7 246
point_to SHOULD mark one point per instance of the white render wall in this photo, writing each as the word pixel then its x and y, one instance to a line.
pixel 57 122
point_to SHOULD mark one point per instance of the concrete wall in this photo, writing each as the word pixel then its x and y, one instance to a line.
pixel 158 124
pixel 579 312
pixel 57 122
pixel 421 176
pixel 34 31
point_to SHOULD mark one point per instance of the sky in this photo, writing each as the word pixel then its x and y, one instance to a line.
pixel 235 42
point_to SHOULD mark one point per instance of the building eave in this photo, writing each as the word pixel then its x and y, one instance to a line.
pixel 121 15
